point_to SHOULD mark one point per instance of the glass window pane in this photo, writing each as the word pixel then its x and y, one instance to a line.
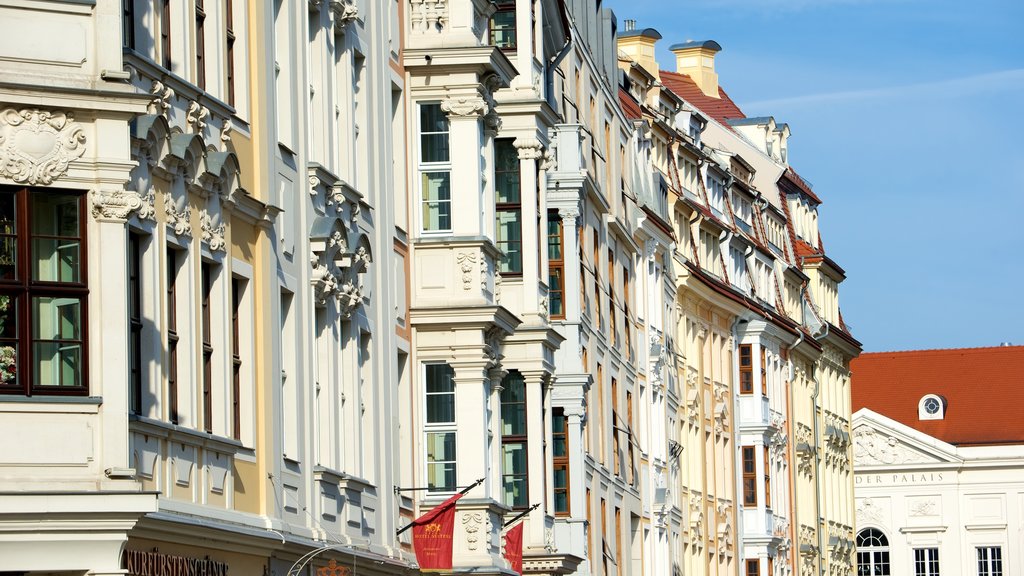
pixel 434 147
pixel 8 364
pixel 503 29
pixel 436 201
pixel 509 240
pixel 561 502
pixel 56 346
pixel 433 134
pixel 440 378
pixel 54 215
pixel 55 260
pixel 506 172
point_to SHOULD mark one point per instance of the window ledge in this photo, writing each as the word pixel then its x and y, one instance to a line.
pixel 97 400
pixel 187 435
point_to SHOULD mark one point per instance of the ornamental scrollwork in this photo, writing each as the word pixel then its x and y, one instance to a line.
pixel 179 220
pixel 344 12
pixel 472 521
pixel 464 107
pixel 114 204
pixel 212 234
pixel 466 261
pixel 36 146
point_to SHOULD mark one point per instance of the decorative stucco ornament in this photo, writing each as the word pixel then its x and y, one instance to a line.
pixel 36 146
pixel 464 107
pixel 472 521
pixel 114 204
pixel 179 220
pixel 345 11
pixel 213 234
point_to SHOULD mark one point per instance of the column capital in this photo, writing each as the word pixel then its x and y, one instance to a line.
pixel 472 108
pixel 528 148
pixel 115 205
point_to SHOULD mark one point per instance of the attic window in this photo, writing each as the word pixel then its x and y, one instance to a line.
pixel 931 407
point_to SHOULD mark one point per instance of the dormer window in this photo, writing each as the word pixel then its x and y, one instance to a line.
pixel 931 407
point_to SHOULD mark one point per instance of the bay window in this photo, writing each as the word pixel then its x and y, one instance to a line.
pixel 440 427
pixel 435 170
pixel 508 208
pixel 43 293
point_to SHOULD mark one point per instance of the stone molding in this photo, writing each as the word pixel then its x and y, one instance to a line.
pixel 36 146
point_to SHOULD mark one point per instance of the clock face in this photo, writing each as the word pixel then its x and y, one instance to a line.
pixel 931 406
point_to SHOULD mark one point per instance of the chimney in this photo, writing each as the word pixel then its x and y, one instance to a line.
pixel 639 45
pixel 697 60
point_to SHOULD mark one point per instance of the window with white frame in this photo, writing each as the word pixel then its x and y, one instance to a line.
pixel 439 427
pixel 711 251
pixel 990 561
pixel 738 269
pixel 744 211
pixel 926 562
pixel 774 229
pixel 690 177
pixel 716 195
pixel 435 170
pixel 872 553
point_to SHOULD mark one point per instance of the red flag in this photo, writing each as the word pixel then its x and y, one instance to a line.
pixel 432 536
pixel 514 548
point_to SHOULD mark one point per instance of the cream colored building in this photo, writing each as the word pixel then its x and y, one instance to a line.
pixel 278 277
pixel 938 489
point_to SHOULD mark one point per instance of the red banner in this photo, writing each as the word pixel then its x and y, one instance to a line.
pixel 514 548
pixel 432 536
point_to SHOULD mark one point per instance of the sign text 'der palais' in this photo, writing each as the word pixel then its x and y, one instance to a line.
pixel 898 478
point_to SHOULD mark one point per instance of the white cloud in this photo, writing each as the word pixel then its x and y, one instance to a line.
pixel 992 81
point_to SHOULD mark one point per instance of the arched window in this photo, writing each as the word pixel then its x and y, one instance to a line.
pixel 872 553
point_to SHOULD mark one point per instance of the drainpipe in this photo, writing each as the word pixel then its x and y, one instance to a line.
pixel 817 476
pixel 549 74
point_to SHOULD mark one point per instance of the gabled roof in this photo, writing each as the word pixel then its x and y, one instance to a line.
pixel 983 389
pixel 721 108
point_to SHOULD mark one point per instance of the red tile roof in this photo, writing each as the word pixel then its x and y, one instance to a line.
pixel 983 388
pixel 800 183
pixel 629 105
pixel 721 108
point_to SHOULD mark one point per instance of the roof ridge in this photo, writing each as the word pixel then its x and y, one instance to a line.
pixel 945 350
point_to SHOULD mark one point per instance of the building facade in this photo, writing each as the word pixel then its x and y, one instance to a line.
pixel 280 277
pixel 939 490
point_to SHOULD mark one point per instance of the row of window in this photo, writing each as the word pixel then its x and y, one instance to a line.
pixel 161 12
pixel 44 309
pixel 873 557
pixel 440 439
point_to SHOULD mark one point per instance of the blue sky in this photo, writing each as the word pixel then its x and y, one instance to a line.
pixel 906 117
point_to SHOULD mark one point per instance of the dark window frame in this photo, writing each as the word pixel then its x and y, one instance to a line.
pixel 512 438
pixel 22 289
pixel 556 267
pixel 200 14
pixel 135 379
pixel 746 361
pixel 561 462
pixel 172 336
pixel 506 145
pixel 749 470
pixel 165 35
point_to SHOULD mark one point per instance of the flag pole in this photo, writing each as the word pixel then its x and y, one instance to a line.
pixel 461 492
pixel 520 515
